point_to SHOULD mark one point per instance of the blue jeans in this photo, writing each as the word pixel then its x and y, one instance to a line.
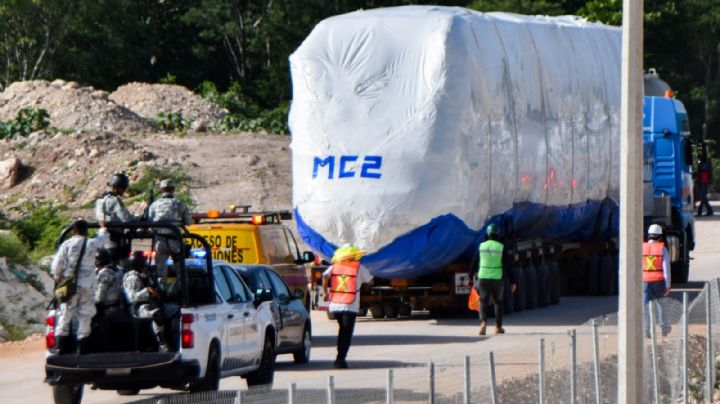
pixel 654 291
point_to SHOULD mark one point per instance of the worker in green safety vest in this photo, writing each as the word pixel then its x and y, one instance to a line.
pixel 493 257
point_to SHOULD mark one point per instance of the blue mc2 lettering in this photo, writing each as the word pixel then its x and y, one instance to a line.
pixel 370 168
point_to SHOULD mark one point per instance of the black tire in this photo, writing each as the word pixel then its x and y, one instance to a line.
pixel 680 271
pixel 531 288
pixel 519 295
pixel 68 393
pixel 593 276
pixel 302 355
pixel 330 315
pixel 577 273
pixel 362 312
pixel 616 273
pixel 542 285
pixel 405 309
pixel 377 310
pixel 507 297
pixel 128 392
pixel 564 283
pixel 265 374
pixel 607 283
pixel 211 381
pixel 554 271
pixel 392 310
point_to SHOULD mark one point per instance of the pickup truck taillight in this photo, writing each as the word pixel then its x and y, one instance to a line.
pixel 50 335
pixel 187 336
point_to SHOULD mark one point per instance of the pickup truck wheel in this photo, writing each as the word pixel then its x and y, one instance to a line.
pixel 302 355
pixel 68 393
pixel 266 372
pixel 211 381
pixel 128 392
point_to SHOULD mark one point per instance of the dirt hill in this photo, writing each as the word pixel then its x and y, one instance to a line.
pixel 100 136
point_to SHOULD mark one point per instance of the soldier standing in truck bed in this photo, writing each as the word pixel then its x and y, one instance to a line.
pixel 167 208
pixel 110 209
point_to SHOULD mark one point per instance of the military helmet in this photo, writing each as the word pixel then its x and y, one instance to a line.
pixel 119 180
pixel 492 230
pixel 103 257
pixel 167 183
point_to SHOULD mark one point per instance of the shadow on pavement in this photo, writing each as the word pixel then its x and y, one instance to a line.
pixel 407 339
pixel 314 365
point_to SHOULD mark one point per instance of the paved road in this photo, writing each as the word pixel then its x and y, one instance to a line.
pixel 402 344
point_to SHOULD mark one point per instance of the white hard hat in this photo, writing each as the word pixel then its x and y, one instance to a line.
pixel 655 229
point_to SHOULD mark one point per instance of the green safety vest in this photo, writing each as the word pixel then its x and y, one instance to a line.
pixel 491 253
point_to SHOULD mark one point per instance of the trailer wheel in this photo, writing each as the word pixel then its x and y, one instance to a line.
pixel 577 274
pixel 507 297
pixel 391 310
pixel 616 274
pixel 542 288
pixel 607 283
pixel 531 283
pixel 519 295
pixel 554 271
pixel 405 309
pixel 377 310
pixel 593 276
pixel 362 312
pixel 680 271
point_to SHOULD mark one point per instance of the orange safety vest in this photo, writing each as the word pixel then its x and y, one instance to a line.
pixel 652 262
pixel 343 282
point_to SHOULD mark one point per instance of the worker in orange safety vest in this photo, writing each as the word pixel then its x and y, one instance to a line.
pixel 345 276
pixel 656 276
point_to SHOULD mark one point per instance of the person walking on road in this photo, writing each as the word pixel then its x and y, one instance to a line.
pixel 76 259
pixel 704 178
pixel 493 259
pixel 169 209
pixel 345 277
pixel 656 275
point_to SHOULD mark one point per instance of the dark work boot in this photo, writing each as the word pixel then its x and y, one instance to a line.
pixel 483 328
pixel 340 363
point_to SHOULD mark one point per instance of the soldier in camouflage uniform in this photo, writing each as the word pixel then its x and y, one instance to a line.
pixel 110 208
pixel 81 305
pixel 108 292
pixel 170 209
pixel 143 296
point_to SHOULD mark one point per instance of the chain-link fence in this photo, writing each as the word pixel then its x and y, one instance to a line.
pixel 580 367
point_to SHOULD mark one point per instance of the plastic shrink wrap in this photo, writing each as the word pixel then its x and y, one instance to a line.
pixel 415 127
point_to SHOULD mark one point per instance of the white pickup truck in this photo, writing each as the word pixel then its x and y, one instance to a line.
pixel 220 330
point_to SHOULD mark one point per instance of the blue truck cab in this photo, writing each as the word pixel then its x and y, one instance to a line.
pixel 667 179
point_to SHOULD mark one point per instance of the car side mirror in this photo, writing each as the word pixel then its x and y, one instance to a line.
pixel 298 294
pixel 308 256
pixel 263 295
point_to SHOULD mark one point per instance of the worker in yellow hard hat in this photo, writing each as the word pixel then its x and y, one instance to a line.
pixel 345 276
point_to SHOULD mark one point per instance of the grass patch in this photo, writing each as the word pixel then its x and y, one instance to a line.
pixel 15 332
pixel 39 226
pixel 13 249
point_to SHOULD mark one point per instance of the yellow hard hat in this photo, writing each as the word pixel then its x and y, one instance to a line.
pixel 347 253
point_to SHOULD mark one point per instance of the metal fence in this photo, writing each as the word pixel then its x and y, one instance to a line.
pixel 579 367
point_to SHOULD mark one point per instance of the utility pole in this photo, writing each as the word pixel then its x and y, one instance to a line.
pixel 630 375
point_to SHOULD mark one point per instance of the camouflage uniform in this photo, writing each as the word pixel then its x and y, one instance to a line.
pixel 111 209
pixel 80 306
pixel 167 208
pixel 109 286
pixel 134 286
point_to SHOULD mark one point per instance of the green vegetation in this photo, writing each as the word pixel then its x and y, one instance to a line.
pixel 13 249
pixel 171 122
pixel 27 121
pixel 15 331
pixel 39 227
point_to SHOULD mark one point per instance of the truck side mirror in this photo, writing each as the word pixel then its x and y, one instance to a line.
pixel 308 256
